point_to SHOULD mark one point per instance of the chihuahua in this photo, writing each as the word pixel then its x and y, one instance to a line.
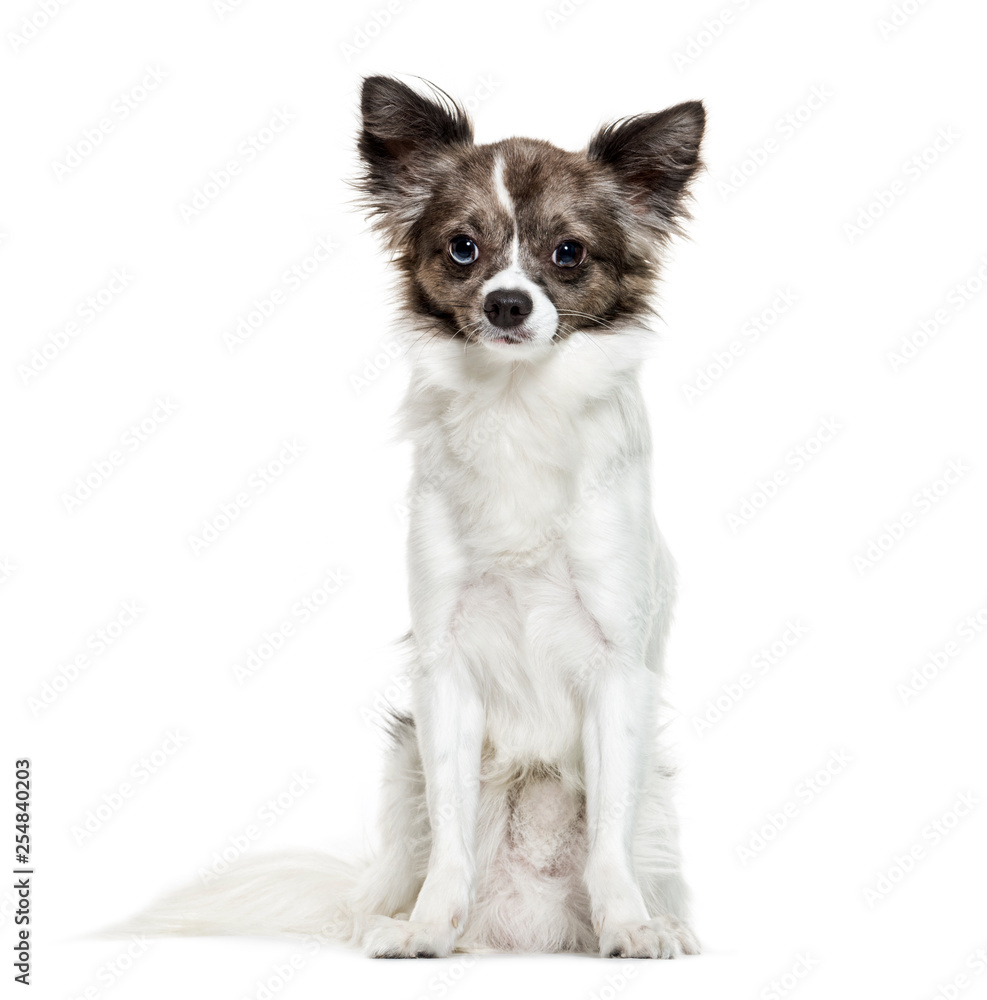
pixel 526 803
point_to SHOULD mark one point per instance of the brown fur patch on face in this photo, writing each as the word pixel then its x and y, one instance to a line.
pixel 557 196
pixel 425 182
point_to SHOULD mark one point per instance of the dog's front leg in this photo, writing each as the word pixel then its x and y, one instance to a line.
pixel 449 723
pixel 617 731
pixel 627 596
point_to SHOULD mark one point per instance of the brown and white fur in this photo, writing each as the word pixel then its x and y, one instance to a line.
pixel 527 799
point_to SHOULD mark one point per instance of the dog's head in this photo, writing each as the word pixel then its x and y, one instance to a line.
pixel 517 244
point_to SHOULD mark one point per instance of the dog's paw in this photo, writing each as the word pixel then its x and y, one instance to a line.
pixel 660 937
pixel 391 938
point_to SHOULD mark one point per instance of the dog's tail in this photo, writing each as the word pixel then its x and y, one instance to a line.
pixel 297 892
pixel 305 892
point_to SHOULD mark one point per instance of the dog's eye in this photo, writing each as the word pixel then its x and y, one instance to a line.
pixel 569 254
pixel 463 250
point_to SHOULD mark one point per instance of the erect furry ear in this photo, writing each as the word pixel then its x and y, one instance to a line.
pixel 401 130
pixel 656 156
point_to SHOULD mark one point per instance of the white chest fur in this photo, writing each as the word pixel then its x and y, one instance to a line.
pixel 530 483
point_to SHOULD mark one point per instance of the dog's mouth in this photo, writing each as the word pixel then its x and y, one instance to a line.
pixel 527 334
pixel 509 337
pixel 517 335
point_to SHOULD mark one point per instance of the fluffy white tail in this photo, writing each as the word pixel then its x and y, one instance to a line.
pixel 298 892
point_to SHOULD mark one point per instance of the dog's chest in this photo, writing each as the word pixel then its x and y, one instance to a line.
pixel 517 477
pixel 513 478
pixel 527 641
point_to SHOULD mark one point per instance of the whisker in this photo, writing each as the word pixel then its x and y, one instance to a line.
pixel 597 320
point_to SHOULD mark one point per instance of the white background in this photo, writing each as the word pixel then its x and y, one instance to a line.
pixel 883 96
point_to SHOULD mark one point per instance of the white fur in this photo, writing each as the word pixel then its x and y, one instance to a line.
pixel 500 186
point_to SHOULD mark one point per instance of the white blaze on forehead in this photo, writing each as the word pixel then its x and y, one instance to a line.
pixel 503 195
pixel 543 321
pixel 507 203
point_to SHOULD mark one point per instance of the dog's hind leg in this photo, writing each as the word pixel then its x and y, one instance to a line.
pixel 394 877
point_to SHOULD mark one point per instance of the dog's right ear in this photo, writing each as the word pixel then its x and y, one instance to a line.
pixel 402 132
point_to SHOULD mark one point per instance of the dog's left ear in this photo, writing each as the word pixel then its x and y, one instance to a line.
pixel 655 156
pixel 403 130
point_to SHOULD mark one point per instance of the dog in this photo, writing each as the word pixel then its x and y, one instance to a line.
pixel 527 798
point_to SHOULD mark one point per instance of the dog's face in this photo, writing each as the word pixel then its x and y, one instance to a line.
pixel 517 244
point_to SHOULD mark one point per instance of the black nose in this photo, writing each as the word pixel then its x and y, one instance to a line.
pixel 507 308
